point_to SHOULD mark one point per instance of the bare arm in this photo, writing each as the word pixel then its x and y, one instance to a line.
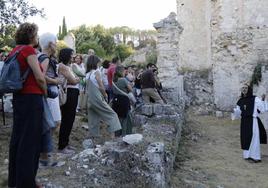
pixel 44 65
pixel 129 88
pixel 39 76
pixel 68 75
pixel 101 86
pixel 53 81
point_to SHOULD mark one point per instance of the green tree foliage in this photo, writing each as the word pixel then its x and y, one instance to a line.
pixel 15 12
pixel 99 50
pixel 7 37
pixel 60 45
pixel 103 37
pixel 62 29
pixel 12 13
pixel 123 51
pixel 117 41
pixel 97 38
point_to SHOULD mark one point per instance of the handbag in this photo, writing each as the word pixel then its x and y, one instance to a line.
pixel 130 95
pixel 62 95
pixel 62 90
pixel 48 121
pixel 52 91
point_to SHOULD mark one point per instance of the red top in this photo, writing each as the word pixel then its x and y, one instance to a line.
pixel 30 86
pixel 110 74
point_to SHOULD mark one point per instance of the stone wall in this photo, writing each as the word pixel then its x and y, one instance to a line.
pixel 140 56
pixel 227 37
pixel 195 40
pixel 198 87
pixel 140 160
pixel 169 31
pixel 239 42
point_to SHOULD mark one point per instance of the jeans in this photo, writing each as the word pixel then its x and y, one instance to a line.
pixel 46 143
pixel 25 140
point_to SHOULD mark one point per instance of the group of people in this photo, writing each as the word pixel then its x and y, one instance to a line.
pixel 50 97
pixel 55 86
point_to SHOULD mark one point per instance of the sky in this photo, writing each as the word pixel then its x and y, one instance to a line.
pixel 136 14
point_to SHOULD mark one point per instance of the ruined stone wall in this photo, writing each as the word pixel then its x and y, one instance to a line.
pixel 195 41
pixel 229 37
pixel 239 42
pixel 169 31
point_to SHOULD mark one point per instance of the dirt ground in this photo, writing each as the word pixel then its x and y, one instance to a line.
pixel 210 156
pixel 45 175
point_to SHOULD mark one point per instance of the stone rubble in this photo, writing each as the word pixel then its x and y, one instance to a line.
pixel 147 155
pixel 133 138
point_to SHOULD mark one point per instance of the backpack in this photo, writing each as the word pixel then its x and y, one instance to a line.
pixel 52 62
pixel 11 80
pixel 52 90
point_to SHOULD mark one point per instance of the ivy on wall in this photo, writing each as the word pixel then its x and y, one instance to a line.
pixel 257 73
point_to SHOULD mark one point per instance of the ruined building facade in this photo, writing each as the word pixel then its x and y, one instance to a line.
pixel 220 43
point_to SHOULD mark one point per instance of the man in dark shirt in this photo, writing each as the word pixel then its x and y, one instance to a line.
pixel 148 85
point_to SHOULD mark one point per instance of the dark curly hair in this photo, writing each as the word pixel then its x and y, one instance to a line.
pixel 65 55
pixel 106 64
pixel 26 33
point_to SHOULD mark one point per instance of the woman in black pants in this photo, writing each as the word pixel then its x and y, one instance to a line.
pixel 68 110
pixel 28 109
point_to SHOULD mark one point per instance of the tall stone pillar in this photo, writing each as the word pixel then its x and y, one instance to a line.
pixel 169 31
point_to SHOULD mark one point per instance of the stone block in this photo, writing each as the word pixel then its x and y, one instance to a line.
pixel 133 138
pixel 87 144
pixel 140 120
pixel 147 110
pixel 219 114
pixel 158 109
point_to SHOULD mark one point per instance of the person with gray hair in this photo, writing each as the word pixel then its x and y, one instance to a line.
pixel 91 52
pixel 48 44
pixel 46 40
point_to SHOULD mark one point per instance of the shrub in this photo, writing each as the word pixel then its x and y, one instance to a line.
pixel 123 51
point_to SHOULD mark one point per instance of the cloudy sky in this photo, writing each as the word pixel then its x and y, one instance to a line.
pixel 137 14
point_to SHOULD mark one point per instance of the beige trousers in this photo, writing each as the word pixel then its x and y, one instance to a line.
pixel 151 92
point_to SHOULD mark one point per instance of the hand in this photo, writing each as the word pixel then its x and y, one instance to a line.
pixel 59 81
pixel 263 97
pixel 105 97
pixel 45 93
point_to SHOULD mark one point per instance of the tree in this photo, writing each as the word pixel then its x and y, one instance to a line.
pixel 123 51
pixel 7 37
pixel 104 38
pixel 60 45
pixel 97 38
pixel 83 48
pixel 15 12
pixel 62 29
